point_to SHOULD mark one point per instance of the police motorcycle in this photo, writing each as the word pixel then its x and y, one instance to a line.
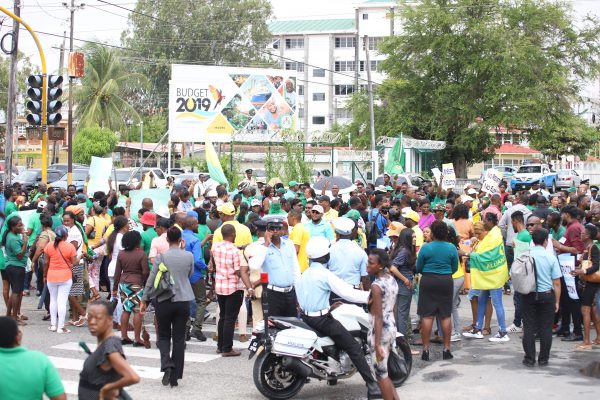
pixel 288 352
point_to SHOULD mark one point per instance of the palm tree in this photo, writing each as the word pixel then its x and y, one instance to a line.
pixel 100 99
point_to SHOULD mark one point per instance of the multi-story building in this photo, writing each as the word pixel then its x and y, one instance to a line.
pixel 329 56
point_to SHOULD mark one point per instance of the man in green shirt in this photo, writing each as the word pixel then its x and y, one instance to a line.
pixel 40 191
pixel 521 244
pixel 10 206
pixel 148 221
pixel 25 374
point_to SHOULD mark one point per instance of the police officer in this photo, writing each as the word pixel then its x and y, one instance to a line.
pixel 249 178
pixel 347 260
pixel 278 256
pixel 314 288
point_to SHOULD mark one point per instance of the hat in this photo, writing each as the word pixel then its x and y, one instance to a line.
pixel 227 209
pixel 343 225
pixel 594 188
pixel 317 247
pixel 75 209
pixel 260 180
pixel 162 212
pixel 439 207
pixel 410 214
pixel 149 218
pixel 318 209
pixel 243 185
pixel 381 189
pixel 472 191
pixel 389 188
pixel 61 231
pixel 255 202
pixel 353 214
pixel 260 224
pixel 206 204
pixel 385 173
pixel 211 193
pixel 292 183
pixel 249 171
pixel 324 198
pixel 274 218
pixel 280 190
pixel 395 228
pixel 464 198
pixel 358 182
pixel 42 204
pixel 81 197
pixel 189 214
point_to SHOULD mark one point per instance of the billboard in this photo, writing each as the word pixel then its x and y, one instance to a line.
pixel 221 101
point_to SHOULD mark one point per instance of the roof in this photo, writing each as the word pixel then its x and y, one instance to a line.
pixel 509 148
pixel 316 25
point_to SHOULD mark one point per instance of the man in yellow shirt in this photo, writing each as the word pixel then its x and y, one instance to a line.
pixel 411 220
pixel 243 237
pixel 299 235
pixel 330 214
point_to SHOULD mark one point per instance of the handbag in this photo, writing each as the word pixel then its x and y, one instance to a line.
pixel 397 369
pixel 587 264
pixel 73 276
pixel 162 287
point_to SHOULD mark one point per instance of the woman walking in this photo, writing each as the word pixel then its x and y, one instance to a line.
pixel 113 247
pixel 75 237
pixel 382 332
pixel 437 261
pixel 130 277
pixel 172 314
pixel 403 265
pixel 15 246
pixel 60 256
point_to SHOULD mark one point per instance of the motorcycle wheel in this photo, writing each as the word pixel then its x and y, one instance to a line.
pixel 273 380
pixel 404 350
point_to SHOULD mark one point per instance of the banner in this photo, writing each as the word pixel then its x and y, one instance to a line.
pixel 160 200
pixel 214 164
pixel 100 170
pixel 567 264
pixel 218 102
pixel 491 181
pixel 449 177
pixel 489 269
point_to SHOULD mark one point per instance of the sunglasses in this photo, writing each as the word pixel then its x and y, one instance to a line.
pixel 275 228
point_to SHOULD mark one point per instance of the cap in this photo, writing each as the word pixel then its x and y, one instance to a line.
pixel 260 224
pixel 42 204
pixel 149 218
pixel 395 228
pixel 594 188
pixel 81 197
pixel 410 214
pixel 471 191
pixel 75 209
pixel 292 183
pixel 189 214
pixel 353 214
pixel 381 189
pixel 260 180
pixel 324 198
pixel 163 212
pixel 227 209
pixel 343 225
pixel 317 247
pixel 255 202
pixel 274 218
pixel 439 207
pixel 318 209
pixel 464 198
pixel 280 190
pixel 243 185
pixel 206 204
pixel 211 193
pixel 385 173
pixel 359 182
pixel 61 231
pixel 249 171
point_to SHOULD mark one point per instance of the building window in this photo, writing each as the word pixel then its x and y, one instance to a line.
pixel 342 90
pixel 374 65
pixel 345 66
pixel 300 90
pixel 294 66
pixel 374 42
pixel 345 41
pixel 319 73
pixel 300 113
pixel 275 44
pixel 318 96
pixel 294 43
pixel 318 120
pixel 343 113
pixel 365 16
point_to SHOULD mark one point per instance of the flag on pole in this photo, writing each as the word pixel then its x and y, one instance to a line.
pixel 213 163
pixel 396 163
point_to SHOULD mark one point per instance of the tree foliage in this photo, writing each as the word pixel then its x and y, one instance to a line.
pixel 155 126
pixel 512 64
pixel 165 32
pixel 93 141
pixel 23 71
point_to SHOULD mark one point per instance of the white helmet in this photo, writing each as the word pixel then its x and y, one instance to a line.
pixel 317 247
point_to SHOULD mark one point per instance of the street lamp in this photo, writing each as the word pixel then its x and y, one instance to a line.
pixel 141 142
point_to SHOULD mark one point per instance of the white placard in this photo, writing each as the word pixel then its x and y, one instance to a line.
pixel 567 264
pixel 100 170
pixel 449 177
pixel 436 174
pixel 492 181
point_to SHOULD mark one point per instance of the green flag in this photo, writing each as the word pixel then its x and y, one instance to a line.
pixel 396 163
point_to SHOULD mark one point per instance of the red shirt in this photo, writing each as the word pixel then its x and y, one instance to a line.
pixel 573 236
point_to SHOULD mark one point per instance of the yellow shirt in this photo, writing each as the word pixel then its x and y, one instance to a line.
pixel 418 236
pixel 300 235
pixel 100 224
pixel 459 271
pixel 242 234
pixel 474 210
pixel 330 215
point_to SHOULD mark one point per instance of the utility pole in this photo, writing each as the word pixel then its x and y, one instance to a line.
pixel 370 91
pixel 72 9
pixel 61 66
pixel 11 109
pixel 141 142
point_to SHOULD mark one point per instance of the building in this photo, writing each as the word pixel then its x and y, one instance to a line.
pixel 329 56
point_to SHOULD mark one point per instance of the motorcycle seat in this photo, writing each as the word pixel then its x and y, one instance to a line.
pixel 298 323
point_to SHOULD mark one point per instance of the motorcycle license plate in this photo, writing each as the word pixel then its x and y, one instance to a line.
pixel 253 346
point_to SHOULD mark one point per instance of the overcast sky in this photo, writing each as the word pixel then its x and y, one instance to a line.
pixel 103 22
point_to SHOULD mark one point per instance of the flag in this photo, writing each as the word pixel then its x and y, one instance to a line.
pixel 395 163
pixel 488 262
pixel 213 163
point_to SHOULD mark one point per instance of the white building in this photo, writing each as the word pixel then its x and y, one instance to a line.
pixel 329 55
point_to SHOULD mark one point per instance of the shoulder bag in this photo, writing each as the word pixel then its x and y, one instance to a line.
pixel 162 287
pixel 74 277
pixel 587 264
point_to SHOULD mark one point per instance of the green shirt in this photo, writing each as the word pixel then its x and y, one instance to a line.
pixel 10 208
pixel 437 258
pixel 203 231
pixel 558 235
pixel 27 374
pixel 56 221
pixel 522 242
pixel 14 244
pixel 36 228
pixel 147 237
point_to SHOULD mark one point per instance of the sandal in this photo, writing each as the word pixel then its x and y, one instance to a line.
pixel 486 331
pixel 126 341
pixel 80 322
pixel 583 347
pixel 22 317
pixel 146 338
pixel 95 298
pixel 596 342
pixel 63 330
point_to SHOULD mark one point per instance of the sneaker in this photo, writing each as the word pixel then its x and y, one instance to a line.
pixel 455 337
pixel 514 329
pixel 499 337
pixel 474 334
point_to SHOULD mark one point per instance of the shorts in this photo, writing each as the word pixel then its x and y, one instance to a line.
pixel 473 293
pixel 588 293
pixel 16 278
pixel 4 274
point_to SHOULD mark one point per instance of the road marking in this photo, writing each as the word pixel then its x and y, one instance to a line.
pixel 71 387
pixel 75 364
pixel 208 343
pixel 142 352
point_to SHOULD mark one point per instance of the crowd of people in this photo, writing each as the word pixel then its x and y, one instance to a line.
pixel 96 263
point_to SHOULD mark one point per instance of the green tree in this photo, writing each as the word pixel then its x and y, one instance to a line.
pixel 163 32
pixel 502 62
pixel 23 71
pixel 570 135
pixel 155 126
pixel 100 97
pixel 93 141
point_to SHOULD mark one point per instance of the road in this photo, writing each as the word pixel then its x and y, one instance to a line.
pixel 480 368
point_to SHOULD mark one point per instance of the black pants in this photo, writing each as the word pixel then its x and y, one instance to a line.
pixel 329 326
pixel 171 318
pixel 229 308
pixel 282 304
pixel 538 316
pixel 569 308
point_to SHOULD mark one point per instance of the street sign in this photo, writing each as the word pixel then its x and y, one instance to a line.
pixel 56 133
pixel 33 132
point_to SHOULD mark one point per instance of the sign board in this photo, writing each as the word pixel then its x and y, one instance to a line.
pixel 100 170
pixel 76 64
pixel 491 181
pixel 567 264
pixel 56 133
pixel 449 177
pixel 436 174
pixel 219 102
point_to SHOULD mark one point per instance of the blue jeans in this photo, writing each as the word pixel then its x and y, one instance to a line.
pixel 496 295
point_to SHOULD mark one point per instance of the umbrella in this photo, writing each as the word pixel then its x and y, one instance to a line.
pixel 345 184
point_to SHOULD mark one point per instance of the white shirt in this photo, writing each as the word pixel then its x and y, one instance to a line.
pixel 117 247
pixel 75 236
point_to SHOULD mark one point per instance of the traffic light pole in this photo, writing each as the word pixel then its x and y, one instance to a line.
pixel 12 99
pixel 44 91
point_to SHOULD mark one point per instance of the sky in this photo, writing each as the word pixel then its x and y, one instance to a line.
pixel 102 22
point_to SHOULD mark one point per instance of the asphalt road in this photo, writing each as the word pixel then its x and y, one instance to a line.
pixel 480 369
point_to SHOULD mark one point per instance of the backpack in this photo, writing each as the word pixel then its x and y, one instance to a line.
pixel 371 229
pixel 523 274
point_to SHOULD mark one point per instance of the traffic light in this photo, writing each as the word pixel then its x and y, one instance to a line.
pixel 54 104
pixel 34 105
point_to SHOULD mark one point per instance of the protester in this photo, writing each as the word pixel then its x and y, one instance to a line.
pixel 14 241
pixel 403 264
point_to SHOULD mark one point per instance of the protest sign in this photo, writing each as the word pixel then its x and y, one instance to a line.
pixel 491 181
pixel 100 170
pixel 436 175
pixel 567 264
pixel 160 200
pixel 449 177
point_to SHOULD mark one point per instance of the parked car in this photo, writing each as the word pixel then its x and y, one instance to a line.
pixel 412 180
pixel 65 167
pixel 31 177
pixel 177 171
pixel 529 174
pixel 78 179
pixel 567 178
